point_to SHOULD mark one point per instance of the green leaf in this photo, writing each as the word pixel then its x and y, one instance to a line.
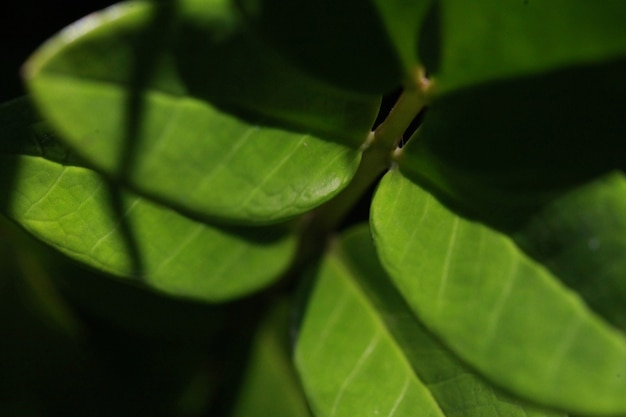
pixel 492 39
pixel 356 329
pixel 496 308
pixel 69 208
pixel 93 221
pixel 365 46
pixel 502 150
pixel 185 106
pixel 270 385
pixel 581 238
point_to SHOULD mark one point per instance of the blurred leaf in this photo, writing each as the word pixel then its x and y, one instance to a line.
pixel 364 46
pixel 270 386
pixel 502 150
pixel 357 330
pixel 492 39
pixel 185 106
pixel 497 309
pixel 92 221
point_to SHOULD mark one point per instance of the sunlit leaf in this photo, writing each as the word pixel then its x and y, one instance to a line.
pixel 70 208
pixel 185 106
pixel 362 352
pixel 95 222
pixel 496 308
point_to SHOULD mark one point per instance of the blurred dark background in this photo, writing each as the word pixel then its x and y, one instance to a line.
pixel 26 24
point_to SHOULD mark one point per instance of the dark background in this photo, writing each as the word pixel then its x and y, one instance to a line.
pixel 26 24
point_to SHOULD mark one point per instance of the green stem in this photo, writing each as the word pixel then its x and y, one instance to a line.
pixel 319 224
pixel 374 162
pixel 378 152
pixel 378 155
pixel 408 106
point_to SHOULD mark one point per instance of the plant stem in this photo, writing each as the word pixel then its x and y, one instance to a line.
pixel 378 152
pixel 319 224
pixel 408 106
pixel 374 162
pixel 378 155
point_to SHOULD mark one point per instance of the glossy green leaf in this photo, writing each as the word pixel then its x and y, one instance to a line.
pixel 91 220
pixel 270 385
pixel 185 106
pixel 496 308
pixel 362 352
pixel 502 150
pixel 366 46
pixel 581 237
pixel 492 39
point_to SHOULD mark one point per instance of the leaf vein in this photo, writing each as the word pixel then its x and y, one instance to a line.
pixel 369 349
pixel 115 226
pixel 47 193
pixel 225 160
pixel 190 237
pixel 445 275
pixel 274 170
pixel 401 396
pixel 496 313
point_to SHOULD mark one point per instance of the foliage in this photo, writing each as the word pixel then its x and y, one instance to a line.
pixel 201 160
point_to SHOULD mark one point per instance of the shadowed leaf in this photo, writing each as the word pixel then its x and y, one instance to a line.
pixel 365 46
pixel 500 151
pixel 489 40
